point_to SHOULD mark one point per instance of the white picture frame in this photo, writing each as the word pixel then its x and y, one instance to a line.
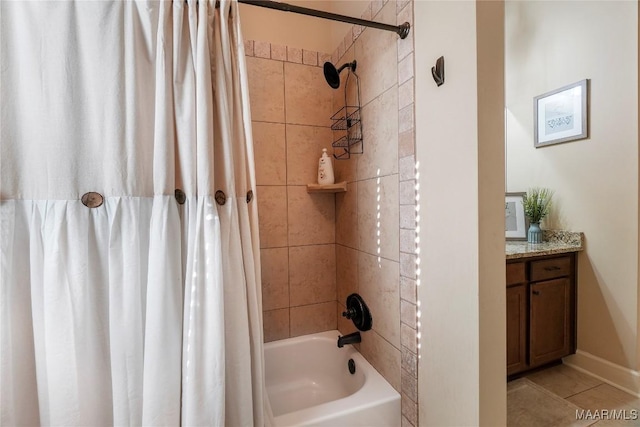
pixel 515 221
pixel 561 115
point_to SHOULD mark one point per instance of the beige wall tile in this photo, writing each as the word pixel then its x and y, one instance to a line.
pixel 383 356
pixel 323 57
pixel 405 69
pixel 294 55
pixel 408 192
pixel 407 241
pixel 405 119
pixel 407 168
pixel 376 52
pixel 408 217
pixel 248 48
pixel 276 324
pixel 378 284
pixel 405 422
pixel 408 336
pixel 408 290
pixel 345 169
pixel 309 57
pixel 335 56
pixel 346 272
pixel 337 96
pixel 410 386
pixel 278 52
pixel 380 136
pixel 406 143
pixel 409 362
pixel 409 409
pixel 311 217
pixel 266 89
pixel 368 191
pixel 367 13
pixel 304 148
pixel 356 31
pixel 307 95
pixel 408 313
pixel 348 40
pixel 270 151
pixel 275 278
pixel 309 319
pixel 341 51
pixel 406 45
pixel 347 216
pixel 262 49
pixel 312 274
pixel 272 215
pixel 408 265
pixel 400 5
pixel 376 5
pixel 405 94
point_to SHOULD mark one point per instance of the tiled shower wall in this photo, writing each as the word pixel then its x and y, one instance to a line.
pixel 316 249
pixel 376 217
pixel 291 107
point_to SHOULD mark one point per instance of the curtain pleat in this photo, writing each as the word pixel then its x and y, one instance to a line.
pixel 141 311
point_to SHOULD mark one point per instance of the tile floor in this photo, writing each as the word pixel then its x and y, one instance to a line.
pixel 555 397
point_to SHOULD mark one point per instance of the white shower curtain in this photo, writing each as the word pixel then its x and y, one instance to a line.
pixel 142 311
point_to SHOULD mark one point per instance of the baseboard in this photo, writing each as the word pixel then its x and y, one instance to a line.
pixel 618 376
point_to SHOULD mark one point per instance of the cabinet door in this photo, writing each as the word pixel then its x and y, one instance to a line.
pixel 550 329
pixel 516 329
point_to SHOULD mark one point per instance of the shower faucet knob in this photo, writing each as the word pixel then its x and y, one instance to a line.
pixel 350 313
pixel 358 312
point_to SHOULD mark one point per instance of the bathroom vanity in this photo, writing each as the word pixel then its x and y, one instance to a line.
pixel 541 300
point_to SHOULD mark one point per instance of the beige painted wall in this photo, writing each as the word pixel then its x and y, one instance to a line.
pixel 300 31
pixel 595 180
pixel 458 144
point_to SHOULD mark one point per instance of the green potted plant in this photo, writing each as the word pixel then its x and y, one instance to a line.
pixel 537 203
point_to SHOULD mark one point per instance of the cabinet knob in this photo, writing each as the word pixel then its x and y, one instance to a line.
pixel 535 292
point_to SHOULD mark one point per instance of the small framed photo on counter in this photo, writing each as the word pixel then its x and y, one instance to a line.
pixel 561 115
pixel 515 222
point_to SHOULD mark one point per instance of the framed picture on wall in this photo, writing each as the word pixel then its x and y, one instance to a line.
pixel 515 222
pixel 561 115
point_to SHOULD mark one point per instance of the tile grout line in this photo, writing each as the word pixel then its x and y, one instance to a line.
pixel 575 394
pixel 286 179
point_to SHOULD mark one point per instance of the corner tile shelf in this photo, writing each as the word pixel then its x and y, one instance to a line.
pixel 339 187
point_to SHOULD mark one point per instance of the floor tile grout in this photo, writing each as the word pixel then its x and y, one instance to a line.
pixel 583 391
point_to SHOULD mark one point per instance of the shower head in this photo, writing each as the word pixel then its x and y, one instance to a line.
pixel 332 75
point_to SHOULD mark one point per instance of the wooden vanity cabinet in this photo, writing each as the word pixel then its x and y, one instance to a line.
pixel 541 310
pixel 517 318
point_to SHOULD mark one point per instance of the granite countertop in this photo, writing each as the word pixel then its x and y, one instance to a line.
pixel 554 242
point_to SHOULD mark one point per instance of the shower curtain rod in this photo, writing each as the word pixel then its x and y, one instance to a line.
pixel 402 30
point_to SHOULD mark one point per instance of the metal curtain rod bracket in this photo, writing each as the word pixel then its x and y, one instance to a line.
pixel 402 30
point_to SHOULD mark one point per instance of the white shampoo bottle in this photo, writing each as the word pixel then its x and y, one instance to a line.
pixel 325 169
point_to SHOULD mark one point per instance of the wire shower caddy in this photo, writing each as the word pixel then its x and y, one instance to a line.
pixel 347 124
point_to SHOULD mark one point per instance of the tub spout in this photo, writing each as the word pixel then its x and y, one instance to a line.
pixel 353 338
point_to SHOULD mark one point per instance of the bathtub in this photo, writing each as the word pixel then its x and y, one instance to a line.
pixel 309 384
